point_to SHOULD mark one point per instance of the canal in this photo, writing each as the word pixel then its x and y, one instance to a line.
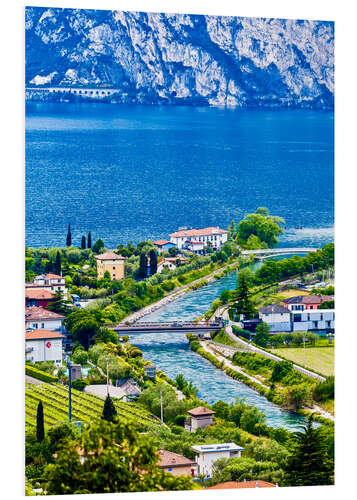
pixel 171 353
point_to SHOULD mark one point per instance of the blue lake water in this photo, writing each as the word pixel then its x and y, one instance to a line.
pixel 138 172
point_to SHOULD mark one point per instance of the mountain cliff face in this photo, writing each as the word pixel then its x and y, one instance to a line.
pixel 182 59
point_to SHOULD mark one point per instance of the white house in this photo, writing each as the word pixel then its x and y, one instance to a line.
pixel 313 320
pixel 43 345
pixel 170 263
pixel 38 318
pixel 207 454
pixel 52 282
pixel 197 239
pixel 277 317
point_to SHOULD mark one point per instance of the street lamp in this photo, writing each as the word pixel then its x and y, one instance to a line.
pixel 69 366
pixel 107 361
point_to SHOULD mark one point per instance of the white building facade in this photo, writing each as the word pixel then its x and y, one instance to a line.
pixel 37 318
pixel 210 453
pixel 313 320
pixel 277 317
pixel 44 345
pixel 200 238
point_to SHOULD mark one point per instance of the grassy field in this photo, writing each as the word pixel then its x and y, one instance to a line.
pixel 320 359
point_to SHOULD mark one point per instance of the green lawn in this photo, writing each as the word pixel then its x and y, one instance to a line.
pixel 320 359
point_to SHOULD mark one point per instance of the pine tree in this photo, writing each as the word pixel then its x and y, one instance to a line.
pixel 309 463
pixel 89 240
pixel 143 267
pixel 69 236
pixel 59 305
pixel 243 303
pixel 109 410
pixel 40 427
pixel 83 243
pixel 58 269
pixel 153 262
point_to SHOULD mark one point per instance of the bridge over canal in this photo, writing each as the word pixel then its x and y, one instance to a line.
pixel 202 327
pixel 265 253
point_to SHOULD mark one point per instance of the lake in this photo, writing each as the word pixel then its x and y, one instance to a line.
pixel 140 172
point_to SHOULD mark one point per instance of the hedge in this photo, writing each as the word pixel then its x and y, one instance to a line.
pixel 32 371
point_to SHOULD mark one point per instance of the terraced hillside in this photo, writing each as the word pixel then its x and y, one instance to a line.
pixel 85 407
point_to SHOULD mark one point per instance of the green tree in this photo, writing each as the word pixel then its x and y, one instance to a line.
pixel 58 264
pixel 153 262
pixel 309 463
pixel 280 370
pixel 106 275
pixel 251 416
pixel 83 325
pixel 242 300
pixel 83 242
pixel 261 336
pixel 115 458
pixel 109 410
pixel 98 246
pixel 143 266
pixel 262 225
pixel 173 251
pixel 296 396
pixel 80 356
pixel 69 236
pixel 89 240
pixel 59 305
pixel 40 426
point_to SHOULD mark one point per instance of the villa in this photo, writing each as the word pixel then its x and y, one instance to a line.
pixel 207 454
pixel 196 240
pixel 111 262
pixel 281 319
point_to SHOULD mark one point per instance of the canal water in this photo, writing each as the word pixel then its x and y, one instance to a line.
pixel 171 353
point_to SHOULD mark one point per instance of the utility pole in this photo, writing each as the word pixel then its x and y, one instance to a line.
pixel 162 412
pixel 107 361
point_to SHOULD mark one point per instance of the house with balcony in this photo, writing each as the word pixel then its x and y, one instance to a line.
pixel 207 454
pixel 38 297
pixel 199 417
pixel 196 240
pixel 314 320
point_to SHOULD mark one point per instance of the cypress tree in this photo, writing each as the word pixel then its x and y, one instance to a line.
pixel 40 427
pixel 83 243
pixel 109 410
pixel 143 267
pixel 58 269
pixel 89 240
pixel 69 236
pixel 309 464
pixel 153 262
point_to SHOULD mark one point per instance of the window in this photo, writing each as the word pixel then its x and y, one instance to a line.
pixel 308 317
pixel 169 470
pixel 114 268
pixel 297 318
pixel 316 324
pixel 328 324
pixel 42 325
pixel 321 317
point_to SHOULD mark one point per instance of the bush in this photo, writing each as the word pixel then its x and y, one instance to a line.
pixel 280 370
pixel 32 371
pixel 325 390
pixel 79 384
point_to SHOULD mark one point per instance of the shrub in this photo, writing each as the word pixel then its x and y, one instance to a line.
pixel 79 384
pixel 280 370
pixel 325 390
pixel 32 371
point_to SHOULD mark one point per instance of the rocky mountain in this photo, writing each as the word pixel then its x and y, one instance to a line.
pixel 182 59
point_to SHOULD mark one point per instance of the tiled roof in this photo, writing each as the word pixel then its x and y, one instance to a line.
pixel 244 484
pixel 273 308
pixel 206 231
pixel 42 334
pixel 160 243
pixel 32 293
pixel 200 410
pixel 307 299
pixel 109 255
pixel 38 313
pixel 49 276
pixel 188 242
pixel 170 459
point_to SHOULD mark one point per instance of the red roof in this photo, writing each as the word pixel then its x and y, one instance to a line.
pixel 42 334
pixel 170 459
pixel 200 410
pixel 206 231
pixel 109 255
pixel 160 243
pixel 38 313
pixel 38 294
pixel 49 276
pixel 244 484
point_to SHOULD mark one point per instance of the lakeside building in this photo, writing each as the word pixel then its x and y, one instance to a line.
pixel 197 239
pixel 303 302
pixel 176 464
pixel 206 455
pixel 49 282
pixel 171 263
pixel 150 371
pixel 111 262
pixel 43 345
pixel 232 485
pixel 199 418
pixel 163 245
pixel 281 319
pixel 38 318
pixel 38 297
